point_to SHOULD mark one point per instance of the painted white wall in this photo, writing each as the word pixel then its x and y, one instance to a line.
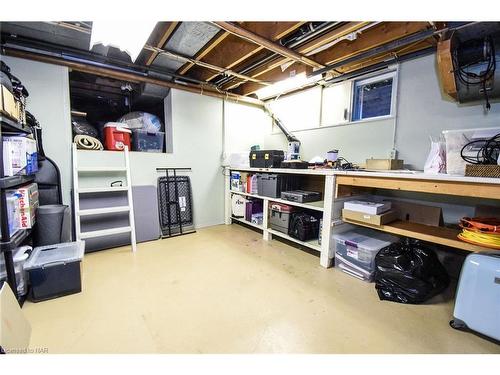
pixel 245 126
pixel 49 102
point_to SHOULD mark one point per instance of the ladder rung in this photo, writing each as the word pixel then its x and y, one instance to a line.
pixel 104 232
pixel 104 189
pixel 104 210
pixel 102 169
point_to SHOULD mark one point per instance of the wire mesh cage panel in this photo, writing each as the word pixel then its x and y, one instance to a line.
pixel 175 204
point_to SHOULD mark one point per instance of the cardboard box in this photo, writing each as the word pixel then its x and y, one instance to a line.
pixel 28 204
pixel 19 155
pixel 10 106
pixel 419 213
pixel 384 164
pixel 362 217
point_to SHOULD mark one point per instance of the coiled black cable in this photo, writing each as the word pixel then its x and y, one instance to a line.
pixel 470 78
pixel 487 153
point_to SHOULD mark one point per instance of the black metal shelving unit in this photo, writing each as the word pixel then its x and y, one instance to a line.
pixel 9 242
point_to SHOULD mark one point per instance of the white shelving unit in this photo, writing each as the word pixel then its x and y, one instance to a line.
pixel 325 206
pixel 89 171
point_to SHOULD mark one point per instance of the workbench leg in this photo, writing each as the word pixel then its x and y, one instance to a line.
pixel 326 235
pixel 227 196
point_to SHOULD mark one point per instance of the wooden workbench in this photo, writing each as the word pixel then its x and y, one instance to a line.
pixel 339 183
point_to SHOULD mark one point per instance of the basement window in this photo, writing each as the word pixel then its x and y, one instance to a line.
pixel 374 97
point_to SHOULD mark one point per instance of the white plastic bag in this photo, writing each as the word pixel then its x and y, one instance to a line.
pixel 436 160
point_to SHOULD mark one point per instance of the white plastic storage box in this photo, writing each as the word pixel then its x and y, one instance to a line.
pixel 360 246
pixel 20 256
pixel 351 269
pixel 457 139
pixel 143 140
pixel 54 270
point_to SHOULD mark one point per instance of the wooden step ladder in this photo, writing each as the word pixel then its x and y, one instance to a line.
pixel 77 191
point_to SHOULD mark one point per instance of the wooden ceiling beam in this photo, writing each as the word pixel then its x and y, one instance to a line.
pixel 374 37
pixel 169 30
pixel 266 43
pixel 233 50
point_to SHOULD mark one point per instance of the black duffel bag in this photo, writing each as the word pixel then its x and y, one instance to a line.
pixel 303 226
pixel 409 272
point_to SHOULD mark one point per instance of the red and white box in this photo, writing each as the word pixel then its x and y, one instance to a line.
pixel 28 204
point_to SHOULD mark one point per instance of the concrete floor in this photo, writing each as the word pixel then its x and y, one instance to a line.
pixel 225 290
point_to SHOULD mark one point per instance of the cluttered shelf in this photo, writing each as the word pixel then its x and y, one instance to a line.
pixel 15 240
pixel 317 205
pixel 242 220
pixel 439 235
pixel 14 181
pixel 9 125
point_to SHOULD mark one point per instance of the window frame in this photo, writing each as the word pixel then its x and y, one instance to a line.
pixel 371 79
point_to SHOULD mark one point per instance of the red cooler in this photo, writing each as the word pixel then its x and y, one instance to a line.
pixel 116 136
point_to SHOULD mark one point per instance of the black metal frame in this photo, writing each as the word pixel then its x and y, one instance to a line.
pixel 8 243
pixel 175 203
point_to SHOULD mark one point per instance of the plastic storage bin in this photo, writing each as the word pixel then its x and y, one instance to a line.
pixel 271 185
pixel 20 256
pixel 359 247
pixel 145 141
pixel 54 270
pixel 457 139
pixel 351 269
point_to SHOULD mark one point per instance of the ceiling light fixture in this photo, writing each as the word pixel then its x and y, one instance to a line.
pixel 293 83
pixel 127 37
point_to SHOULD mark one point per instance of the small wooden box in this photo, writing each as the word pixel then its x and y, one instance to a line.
pixel 480 170
pixel 384 164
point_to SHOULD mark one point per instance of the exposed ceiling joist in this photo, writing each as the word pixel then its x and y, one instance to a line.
pixel 205 50
pixel 332 35
pixel 169 30
pixel 234 50
pixel 274 47
pixel 202 64
pixel 374 37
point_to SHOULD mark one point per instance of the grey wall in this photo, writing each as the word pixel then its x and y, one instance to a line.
pixel 48 86
pixel 424 111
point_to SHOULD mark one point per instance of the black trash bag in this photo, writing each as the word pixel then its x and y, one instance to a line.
pixel 409 272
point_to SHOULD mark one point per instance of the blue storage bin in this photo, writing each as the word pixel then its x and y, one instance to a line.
pixel 145 141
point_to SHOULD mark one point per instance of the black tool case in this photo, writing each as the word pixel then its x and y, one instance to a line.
pixel 271 185
pixel 301 196
pixel 266 158
pixel 54 270
pixel 303 226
